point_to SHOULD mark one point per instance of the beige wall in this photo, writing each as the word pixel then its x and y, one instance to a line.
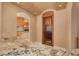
pixel 39 28
pixel 74 26
pixel 0 19
pixel 71 25
pixel 78 18
pixel 59 28
pixel 9 21
pixel 69 7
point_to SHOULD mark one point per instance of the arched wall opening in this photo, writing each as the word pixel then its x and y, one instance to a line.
pixel 60 29
pixel 39 23
pixel 23 25
pixel 48 28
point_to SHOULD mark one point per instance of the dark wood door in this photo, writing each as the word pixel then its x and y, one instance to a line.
pixel 48 30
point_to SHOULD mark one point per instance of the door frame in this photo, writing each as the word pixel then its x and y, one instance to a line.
pixel 52 24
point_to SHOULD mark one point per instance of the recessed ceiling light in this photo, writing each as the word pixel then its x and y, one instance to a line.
pixel 60 5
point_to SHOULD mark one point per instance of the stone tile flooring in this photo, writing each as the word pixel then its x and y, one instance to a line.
pixel 21 48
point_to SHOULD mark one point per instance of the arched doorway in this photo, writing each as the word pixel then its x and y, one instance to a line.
pixel 23 27
pixel 48 28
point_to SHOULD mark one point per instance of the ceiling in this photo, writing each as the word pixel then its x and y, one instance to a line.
pixel 37 7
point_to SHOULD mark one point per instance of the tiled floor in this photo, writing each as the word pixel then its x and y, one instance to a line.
pixel 23 47
pixel 36 49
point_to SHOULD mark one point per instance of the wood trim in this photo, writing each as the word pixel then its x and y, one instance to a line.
pixel 53 29
pixel 77 42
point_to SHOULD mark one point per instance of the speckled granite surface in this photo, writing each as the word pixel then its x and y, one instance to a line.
pixel 21 48
pixel 40 51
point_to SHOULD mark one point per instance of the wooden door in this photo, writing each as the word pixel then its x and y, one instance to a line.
pixel 48 30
